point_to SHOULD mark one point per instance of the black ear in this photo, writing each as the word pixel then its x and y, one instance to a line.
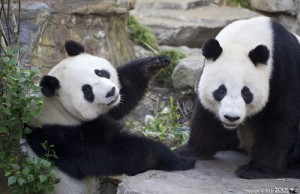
pixel 48 85
pixel 259 54
pixel 73 48
pixel 211 49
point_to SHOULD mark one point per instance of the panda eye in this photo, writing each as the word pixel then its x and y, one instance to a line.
pixel 220 93
pixel 102 73
pixel 247 95
pixel 88 92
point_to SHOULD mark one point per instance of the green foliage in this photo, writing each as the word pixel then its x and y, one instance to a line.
pixel 19 105
pixel 165 76
pixel 144 37
pixel 140 35
pixel 242 3
pixel 163 125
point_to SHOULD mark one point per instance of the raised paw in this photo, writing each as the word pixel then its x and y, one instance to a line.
pixel 154 64
pixel 250 171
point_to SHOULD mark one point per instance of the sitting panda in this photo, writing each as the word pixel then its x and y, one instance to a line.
pixel 250 84
pixel 84 98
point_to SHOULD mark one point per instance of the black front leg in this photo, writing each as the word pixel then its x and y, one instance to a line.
pixel 207 135
pixel 134 77
pixel 126 153
pixel 275 138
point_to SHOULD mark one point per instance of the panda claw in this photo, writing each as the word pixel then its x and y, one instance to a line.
pixel 156 64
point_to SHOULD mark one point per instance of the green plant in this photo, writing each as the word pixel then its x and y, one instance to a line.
pixel 242 3
pixel 141 35
pixel 19 105
pixel 165 76
pixel 163 125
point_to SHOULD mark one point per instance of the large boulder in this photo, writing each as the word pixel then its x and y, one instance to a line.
pixel 210 177
pixel 273 6
pixel 99 25
pixel 178 27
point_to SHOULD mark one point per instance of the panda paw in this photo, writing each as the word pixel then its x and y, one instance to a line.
pixel 155 64
pixel 185 163
pixel 250 171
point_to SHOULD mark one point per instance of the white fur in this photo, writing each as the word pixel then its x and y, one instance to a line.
pixel 235 70
pixel 68 106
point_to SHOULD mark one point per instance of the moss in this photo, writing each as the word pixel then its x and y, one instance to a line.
pixel 242 3
pixel 144 37
pixel 141 35
pixel 165 76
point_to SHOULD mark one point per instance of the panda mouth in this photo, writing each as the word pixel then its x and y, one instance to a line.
pixel 114 100
pixel 230 125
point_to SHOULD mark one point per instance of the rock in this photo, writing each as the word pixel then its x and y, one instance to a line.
pixel 171 4
pixel 99 26
pixel 273 5
pixel 186 73
pixel 209 177
pixel 34 17
pixel 189 27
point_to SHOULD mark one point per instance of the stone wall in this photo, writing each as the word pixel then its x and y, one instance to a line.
pixel 100 25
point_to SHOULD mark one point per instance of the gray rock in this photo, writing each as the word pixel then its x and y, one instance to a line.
pixel 34 17
pixel 209 177
pixel 186 73
pixel 99 26
pixel 273 5
pixel 171 4
pixel 189 27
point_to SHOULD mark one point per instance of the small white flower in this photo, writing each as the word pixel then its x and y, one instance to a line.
pixel 148 118
pixel 165 110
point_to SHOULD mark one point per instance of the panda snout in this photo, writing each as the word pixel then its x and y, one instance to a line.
pixel 111 92
pixel 231 118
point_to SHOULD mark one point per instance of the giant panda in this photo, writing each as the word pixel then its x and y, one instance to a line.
pixel 84 98
pixel 248 96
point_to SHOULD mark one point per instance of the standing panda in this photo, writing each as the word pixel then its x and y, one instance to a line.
pixel 250 84
pixel 84 97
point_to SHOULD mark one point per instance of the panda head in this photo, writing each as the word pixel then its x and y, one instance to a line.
pixel 234 84
pixel 81 87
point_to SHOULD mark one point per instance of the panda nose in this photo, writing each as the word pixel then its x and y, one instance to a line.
pixel 229 118
pixel 111 92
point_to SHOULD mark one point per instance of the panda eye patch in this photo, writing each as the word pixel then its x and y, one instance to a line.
pixel 88 92
pixel 220 93
pixel 102 73
pixel 247 95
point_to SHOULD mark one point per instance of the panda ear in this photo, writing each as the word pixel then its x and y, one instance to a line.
pixel 73 48
pixel 259 54
pixel 211 49
pixel 48 85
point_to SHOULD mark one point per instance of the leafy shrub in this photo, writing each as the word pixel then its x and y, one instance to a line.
pixel 19 105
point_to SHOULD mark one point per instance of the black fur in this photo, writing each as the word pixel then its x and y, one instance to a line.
pixel 73 48
pixel 276 148
pixel 88 93
pixel 259 54
pixel 211 49
pixel 48 85
pixel 134 77
pixel 100 147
